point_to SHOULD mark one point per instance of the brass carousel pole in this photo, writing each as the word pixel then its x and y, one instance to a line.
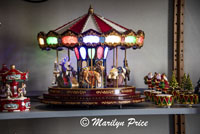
pixel 125 64
pixel 68 54
pixel 113 56
pixel 57 56
pixel 113 64
pixel 117 64
pixel 91 69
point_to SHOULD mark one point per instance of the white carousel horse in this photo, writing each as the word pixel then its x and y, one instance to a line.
pixel 8 91
pixel 22 91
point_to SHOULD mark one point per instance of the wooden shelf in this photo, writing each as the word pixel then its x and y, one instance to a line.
pixel 39 110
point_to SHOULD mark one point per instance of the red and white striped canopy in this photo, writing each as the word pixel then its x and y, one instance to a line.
pixel 91 21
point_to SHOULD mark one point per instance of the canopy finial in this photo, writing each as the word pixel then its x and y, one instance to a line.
pixel 90 10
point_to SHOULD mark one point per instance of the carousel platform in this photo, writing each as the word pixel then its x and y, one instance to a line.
pixel 92 96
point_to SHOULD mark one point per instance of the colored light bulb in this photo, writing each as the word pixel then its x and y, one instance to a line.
pixel 140 40
pixel 41 41
pixel 130 39
pixel 99 52
pixel 113 39
pixel 69 40
pixel 83 52
pixel 52 40
pixel 91 53
pixel 76 53
pixel 91 39
pixel 105 52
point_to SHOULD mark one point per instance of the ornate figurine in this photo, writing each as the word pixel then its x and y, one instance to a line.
pixel 8 91
pixel 63 79
pixel 56 72
pixel 164 83
pixel 14 100
pixel 113 74
pixel 121 75
pixel 148 80
pixel 173 84
pixel 22 90
pixel 128 71
pixel 157 79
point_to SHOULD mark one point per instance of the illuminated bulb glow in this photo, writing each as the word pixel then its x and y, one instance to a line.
pixel 113 39
pixel 76 53
pixel 91 53
pixel 83 53
pixel 69 40
pixel 105 52
pixel 140 40
pixel 52 40
pixel 91 39
pixel 99 52
pixel 41 41
pixel 130 39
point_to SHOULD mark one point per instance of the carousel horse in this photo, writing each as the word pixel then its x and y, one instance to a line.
pixel 8 91
pixel 63 79
pixel 113 74
pixel 56 72
pixel 22 91
pixel 121 75
pixel 91 77
pixel 117 73
pixel 127 74
pixel 99 67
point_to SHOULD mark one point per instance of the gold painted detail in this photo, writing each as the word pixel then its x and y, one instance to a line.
pixel 124 102
pixel 105 92
pixel 72 103
pixel 55 91
pixel 127 91
pixel 109 102
pixel 76 92
pixel 90 103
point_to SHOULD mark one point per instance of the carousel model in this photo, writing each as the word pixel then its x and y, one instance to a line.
pixel 12 96
pixel 91 37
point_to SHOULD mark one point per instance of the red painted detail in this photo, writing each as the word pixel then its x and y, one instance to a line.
pixel 78 26
pixel 22 105
pixel 104 27
pixel 186 98
pixel 167 99
pixel 191 98
pixel 99 52
pixel 23 75
pixel 76 53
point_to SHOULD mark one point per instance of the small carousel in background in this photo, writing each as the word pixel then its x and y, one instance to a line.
pixel 91 37
pixel 13 90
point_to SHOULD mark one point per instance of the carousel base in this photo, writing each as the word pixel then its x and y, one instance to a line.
pixel 92 96
pixel 15 104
